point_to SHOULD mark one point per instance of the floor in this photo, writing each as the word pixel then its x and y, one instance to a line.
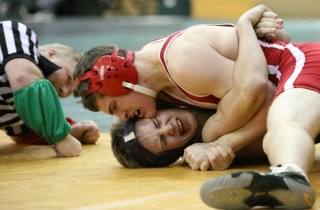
pixel 32 177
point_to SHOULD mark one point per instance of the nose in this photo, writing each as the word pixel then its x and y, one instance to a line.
pixel 166 129
pixel 122 115
pixel 64 91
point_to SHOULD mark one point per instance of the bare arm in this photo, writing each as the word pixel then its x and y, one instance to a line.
pixel 255 128
pixel 250 81
pixel 21 73
pixel 219 155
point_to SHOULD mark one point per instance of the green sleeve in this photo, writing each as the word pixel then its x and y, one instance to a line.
pixel 38 105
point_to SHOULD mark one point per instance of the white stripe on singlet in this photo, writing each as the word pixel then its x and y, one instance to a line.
pixel 300 61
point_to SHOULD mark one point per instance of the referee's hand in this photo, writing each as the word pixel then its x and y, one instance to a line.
pixel 69 147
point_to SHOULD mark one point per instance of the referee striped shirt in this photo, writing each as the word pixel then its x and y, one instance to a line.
pixel 16 41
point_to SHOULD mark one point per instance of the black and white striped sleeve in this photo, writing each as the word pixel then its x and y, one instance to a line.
pixel 17 41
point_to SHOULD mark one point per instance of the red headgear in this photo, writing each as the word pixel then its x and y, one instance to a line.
pixel 114 75
pixel 108 73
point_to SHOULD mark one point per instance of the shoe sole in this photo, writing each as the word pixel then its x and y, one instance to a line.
pixel 227 192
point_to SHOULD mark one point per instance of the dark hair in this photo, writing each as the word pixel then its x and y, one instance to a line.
pixel 142 157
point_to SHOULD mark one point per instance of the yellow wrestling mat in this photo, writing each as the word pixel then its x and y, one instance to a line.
pixel 32 177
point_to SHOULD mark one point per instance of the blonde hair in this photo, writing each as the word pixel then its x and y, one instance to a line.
pixel 64 51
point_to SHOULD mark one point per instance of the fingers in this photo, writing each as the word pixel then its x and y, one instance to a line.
pixel 194 161
pixel 220 156
pixel 69 147
pixel 269 14
pixel 90 137
pixel 268 25
pixel 56 151
pixel 208 156
pixel 205 166
pixel 195 156
pixel 87 132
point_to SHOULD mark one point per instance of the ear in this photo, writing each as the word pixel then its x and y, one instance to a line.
pixel 52 53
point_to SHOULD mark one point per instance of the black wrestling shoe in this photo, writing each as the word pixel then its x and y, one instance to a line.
pixel 244 190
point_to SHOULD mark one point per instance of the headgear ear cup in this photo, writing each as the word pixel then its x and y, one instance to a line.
pixel 114 75
pixel 108 73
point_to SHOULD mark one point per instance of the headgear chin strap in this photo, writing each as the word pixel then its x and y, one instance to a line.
pixel 143 156
pixel 114 75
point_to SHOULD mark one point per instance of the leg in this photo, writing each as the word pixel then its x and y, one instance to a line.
pixel 293 123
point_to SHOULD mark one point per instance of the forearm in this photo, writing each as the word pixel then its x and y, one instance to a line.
pixel 254 129
pixel 249 90
pixel 240 137
pixel 243 136
pixel 250 77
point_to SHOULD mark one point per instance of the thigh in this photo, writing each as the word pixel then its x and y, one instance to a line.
pixel 298 107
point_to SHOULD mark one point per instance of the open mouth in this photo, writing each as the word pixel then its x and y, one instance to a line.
pixel 180 127
pixel 137 113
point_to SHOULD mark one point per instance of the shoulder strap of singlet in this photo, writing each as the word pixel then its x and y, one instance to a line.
pixel 163 51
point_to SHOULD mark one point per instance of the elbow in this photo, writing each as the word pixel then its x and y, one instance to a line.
pixel 256 90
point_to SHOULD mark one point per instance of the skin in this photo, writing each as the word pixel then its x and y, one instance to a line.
pixel 133 103
pixel 163 133
pixel 291 129
pixel 203 157
pixel 152 73
pixel 61 79
pixel 64 84
pixel 219 155
pixel 216 49
pixel 169 129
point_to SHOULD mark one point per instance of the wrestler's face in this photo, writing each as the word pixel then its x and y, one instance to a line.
pixel 169 129
pixel 128 105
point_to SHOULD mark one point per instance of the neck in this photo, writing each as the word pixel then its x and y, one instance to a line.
pixel 150 70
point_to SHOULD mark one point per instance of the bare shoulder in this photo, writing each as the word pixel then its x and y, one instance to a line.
pixel 201 38
pixel 195 58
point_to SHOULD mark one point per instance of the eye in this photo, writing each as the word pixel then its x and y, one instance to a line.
pixel 113 107
pixel 162 138
pixel 155 122
pixel 163 142
pixel 70 80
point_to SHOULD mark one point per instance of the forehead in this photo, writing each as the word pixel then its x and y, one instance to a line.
pixel 69 65
pixel 144 129
pixel 146 134
pixel 142 124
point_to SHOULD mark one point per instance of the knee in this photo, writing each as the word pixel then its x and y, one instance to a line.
pixel 288 133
